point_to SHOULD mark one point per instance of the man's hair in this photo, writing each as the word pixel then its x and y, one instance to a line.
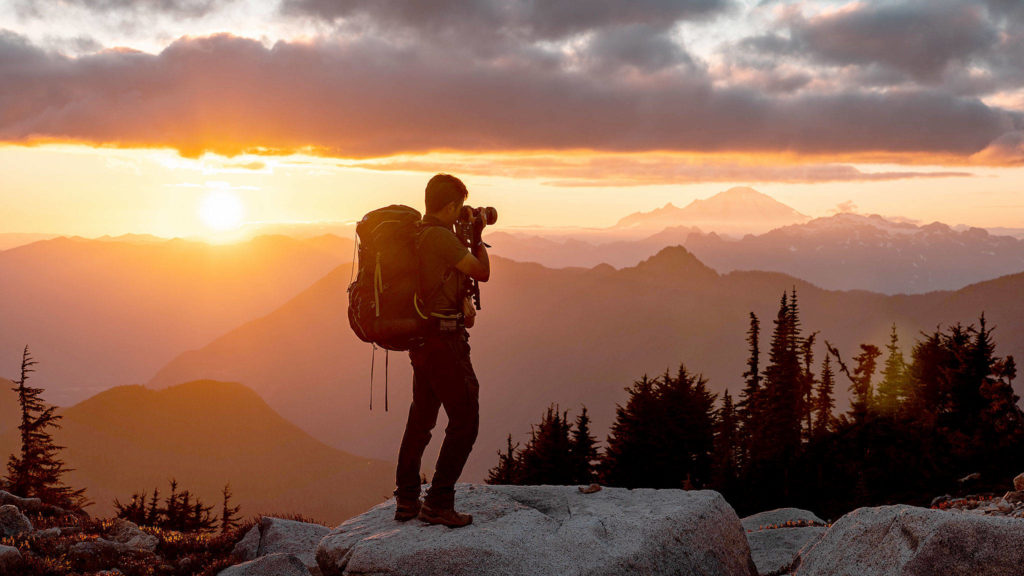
pixel 442 189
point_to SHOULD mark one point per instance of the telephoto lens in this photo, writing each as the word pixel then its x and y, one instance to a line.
pixel 489 214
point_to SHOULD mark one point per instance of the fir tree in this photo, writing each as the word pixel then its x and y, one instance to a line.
pixel 507 470
pixel 583 450
pixel 629 449
pixel 750 397
pixel 823 402
pixel 546 459
pixel 727 450
pixel 892 390
pixel 228 513
pixel 861 385
pixel 38 471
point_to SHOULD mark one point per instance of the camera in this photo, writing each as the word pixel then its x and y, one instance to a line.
pixel 489 215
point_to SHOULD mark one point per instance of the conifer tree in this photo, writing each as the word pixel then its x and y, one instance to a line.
pixel 626 451
pixel 823 402
pixel 38 471
pixel 153 512
pixel 807 381
pixel 861 384
pixel 228 513
pixel 546 459
pixel 727 450
pixel 892 390
pixel 583 450
pixel 507 469
pixel 747 407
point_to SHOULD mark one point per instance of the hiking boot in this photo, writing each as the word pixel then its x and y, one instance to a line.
pixel 444 516
pixel 407 509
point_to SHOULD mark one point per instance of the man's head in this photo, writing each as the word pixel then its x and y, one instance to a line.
pixel 444 197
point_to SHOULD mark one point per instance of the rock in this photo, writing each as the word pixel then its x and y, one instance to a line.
pixel 908 541
pixel 23 504
pixel 1018 483
pixel 779 518
pixel 1014 496
pixel 549 530
pixel 270 565
pixel 129 534
pixel 276 535
pixel 775 551
pixel 776 537
pixel 13 522
pixel 99 554
pixel 48 533
pixel 10 560
pixel 291 537
pixel 249 546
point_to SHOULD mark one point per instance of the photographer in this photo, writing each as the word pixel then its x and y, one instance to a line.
pixel 442 372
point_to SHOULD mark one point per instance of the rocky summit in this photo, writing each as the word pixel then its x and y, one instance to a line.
pixel 908 541
pixel 549 530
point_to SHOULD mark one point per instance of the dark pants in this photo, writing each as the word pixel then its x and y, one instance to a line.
pixel 442 376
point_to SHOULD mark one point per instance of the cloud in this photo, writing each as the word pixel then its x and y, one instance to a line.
pixel 365 98
pixel 847 207
pixel 632 169
pixel 919 39
pixel 1007 150
pixel 521 18
pixel 118 8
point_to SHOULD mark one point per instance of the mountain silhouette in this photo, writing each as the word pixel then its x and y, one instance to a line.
pixel 206 434
pixel 111 311
pixel 739 210
pixel 840 252
pixel 572 336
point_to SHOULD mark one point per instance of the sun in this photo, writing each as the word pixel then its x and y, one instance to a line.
pixel 221 211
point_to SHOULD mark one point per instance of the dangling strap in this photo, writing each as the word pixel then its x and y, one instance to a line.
pixel 386 380
pixel 373 355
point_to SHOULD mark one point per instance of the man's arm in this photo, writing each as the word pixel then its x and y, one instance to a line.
pixel 476 267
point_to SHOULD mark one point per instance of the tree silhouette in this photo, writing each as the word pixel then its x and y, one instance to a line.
pixel 583 450
pixel 38 471
pixel 892 390
pixel 182 511
pixel 228 514
pixel 507 469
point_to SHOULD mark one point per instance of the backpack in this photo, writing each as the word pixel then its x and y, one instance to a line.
pixel 382 300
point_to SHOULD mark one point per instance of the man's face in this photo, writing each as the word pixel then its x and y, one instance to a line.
pixel 451 212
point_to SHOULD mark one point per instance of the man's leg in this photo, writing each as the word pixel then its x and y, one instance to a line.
pixel 459 393
pixel 422 418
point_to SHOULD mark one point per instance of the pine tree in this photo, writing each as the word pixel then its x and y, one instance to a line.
pixel 892 390
pixel 507 470
pixel 750 397
pixel 727 451
pixel 154 511
pixel 807 382
pixel 134 511
pixel 38 471
pixel 823 402
pixel 546 459
pixel 629 449
pixel 583 450
pixel 861 385
pixel 228 513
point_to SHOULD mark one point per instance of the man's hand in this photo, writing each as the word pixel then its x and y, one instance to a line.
pixel 469 311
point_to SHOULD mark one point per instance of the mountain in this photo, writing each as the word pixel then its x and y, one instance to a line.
pixel 206 434
pixel 738 211
pixel 841 252
pixel 569 336
pixel 10 240
pixel 869 252
pixel 109 311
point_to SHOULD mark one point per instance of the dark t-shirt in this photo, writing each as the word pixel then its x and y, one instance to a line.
pixel 439 252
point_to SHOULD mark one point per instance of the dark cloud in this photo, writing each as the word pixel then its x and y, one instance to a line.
pixel 227 94
pixel 637 46
pixel 919 39
pixel 120 8
pixel 540 20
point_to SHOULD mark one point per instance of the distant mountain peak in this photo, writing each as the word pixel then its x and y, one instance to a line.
pixel 737 210
pixel 675 260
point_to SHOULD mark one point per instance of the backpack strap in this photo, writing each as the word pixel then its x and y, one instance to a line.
pixel 423 227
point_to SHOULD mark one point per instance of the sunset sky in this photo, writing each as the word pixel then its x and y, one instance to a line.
pixel 121 116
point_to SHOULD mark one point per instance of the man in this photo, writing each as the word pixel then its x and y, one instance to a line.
pixel 442 372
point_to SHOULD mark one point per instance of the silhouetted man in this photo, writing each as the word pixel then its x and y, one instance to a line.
pixel 442 372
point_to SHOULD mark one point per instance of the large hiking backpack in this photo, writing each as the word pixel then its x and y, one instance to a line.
pixel 381 301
